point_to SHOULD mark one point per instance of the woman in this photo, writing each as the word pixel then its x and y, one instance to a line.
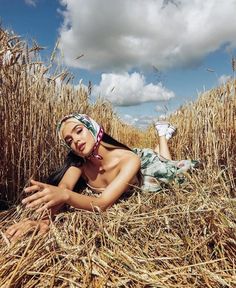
pixel 105 165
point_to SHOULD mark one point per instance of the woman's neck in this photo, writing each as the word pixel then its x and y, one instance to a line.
pixel 103 152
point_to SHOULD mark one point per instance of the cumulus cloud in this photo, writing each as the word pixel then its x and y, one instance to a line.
pixel 159 108
pixel 139 121
pixel 223 79
pixel 129 119
pixel 121 35
pixel 130 89
pixel 31 2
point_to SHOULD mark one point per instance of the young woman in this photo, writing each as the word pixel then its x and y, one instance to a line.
pixel 105 165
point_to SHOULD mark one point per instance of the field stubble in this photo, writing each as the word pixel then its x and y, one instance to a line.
pixel 181 237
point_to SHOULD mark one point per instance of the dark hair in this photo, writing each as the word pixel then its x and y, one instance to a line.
pixel 77 161
pixel 106 138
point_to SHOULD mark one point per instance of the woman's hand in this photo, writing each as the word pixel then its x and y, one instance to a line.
pixel 46 195
pixel 18 230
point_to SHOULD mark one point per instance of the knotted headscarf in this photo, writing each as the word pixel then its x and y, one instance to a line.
pixel 95 129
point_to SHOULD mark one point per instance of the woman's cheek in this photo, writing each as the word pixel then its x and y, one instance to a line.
pixel 73 147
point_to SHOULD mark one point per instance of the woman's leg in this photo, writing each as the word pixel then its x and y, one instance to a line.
pixel 162 148
pixel 165 132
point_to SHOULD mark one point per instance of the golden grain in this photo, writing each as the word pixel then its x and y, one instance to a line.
pixel 184 236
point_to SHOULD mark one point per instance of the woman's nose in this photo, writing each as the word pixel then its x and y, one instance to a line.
pixel 76 138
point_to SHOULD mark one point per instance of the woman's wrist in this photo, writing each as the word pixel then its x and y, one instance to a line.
pixel 67 194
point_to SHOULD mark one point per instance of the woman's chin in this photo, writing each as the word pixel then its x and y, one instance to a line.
pixel 83 154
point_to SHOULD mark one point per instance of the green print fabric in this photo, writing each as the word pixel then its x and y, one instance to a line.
pixel 156 169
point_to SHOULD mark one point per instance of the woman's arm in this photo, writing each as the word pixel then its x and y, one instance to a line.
pixel 52 195
pixel 70 178
pixel 43 190
pixel 129 168
pixel 18 230
pixel 68 181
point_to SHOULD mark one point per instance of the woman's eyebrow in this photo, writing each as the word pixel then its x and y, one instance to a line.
pixel 72 130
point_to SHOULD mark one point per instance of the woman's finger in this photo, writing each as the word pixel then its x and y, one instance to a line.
pixel 33 197
pixel 22 231
pixel 43 228
pixel 40 184
pixel 10 231
pixel 32 188
pixel 16 236
pixel 13 228
pixel 36 202
pixel 47 205
pixel 24 227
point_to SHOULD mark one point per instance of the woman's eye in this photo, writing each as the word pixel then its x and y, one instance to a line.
pixel 78 131
pixel 68 142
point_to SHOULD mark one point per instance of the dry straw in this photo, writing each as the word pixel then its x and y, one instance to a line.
pixel 181 237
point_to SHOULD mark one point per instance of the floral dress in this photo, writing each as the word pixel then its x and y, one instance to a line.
pixel 156 169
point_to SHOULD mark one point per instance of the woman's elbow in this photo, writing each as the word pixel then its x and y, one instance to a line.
pixel 104 204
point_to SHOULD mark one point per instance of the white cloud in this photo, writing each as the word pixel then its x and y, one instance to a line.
pixel 121 35
pixel 129 119
pixel 139 121
pixel 159 108
pixel 31 2
pixel 130 89
pixel 223 79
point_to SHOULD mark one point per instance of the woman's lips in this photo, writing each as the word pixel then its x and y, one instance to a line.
pixel 81 147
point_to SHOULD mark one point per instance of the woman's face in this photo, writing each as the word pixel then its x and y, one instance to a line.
pixel 77 137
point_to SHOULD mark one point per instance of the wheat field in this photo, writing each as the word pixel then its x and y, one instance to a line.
pixel 184 236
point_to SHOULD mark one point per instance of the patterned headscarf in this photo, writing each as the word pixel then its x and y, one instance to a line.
pixel 95 129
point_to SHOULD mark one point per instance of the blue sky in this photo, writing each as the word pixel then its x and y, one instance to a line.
pixel 147 57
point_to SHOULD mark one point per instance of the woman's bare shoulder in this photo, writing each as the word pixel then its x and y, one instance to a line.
pixel 124 153
pixel 127 155
pixel 75 169
pixel 75 172
pixel 71 176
